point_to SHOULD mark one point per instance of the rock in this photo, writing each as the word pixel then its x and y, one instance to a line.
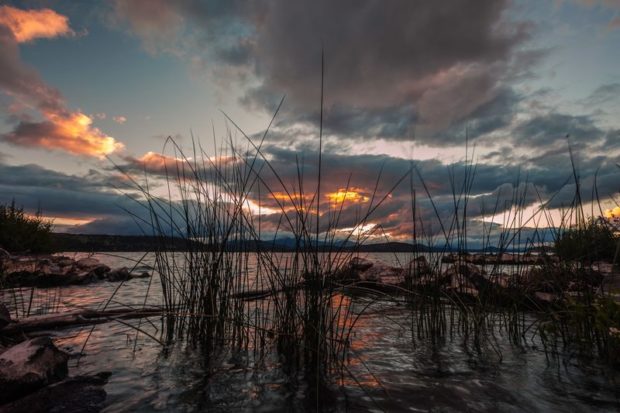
pixel 120 274
pixel 143 274
pixel 101 270
pixel 19 265
pixel 384 274
pixel 4 255
pixel 89 262
pixel 419 265
pixel 546 298
pixel 64 261
pixel 360 264
pixel 81 394
pixel 5 316
pixel 474 275
pixel 30 365
pixel 501 280
pixel 507 259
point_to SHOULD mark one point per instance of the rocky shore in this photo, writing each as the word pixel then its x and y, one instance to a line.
pixel 34 375
pixel 34 378
pixel 56 271
pixel 541 282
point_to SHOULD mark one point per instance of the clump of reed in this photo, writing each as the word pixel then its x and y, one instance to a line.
pixel 230 292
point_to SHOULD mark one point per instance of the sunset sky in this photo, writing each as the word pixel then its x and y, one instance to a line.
pixel 87 85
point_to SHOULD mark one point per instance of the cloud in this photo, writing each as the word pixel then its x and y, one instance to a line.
pixel 403 64
pixel 71 132
pixel 547 130
pixel 119 119
pixel 604 94
pixel 605 3
pixel 28 25
pixel 614 23
pixel 60 127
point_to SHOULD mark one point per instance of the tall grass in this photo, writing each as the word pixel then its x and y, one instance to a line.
pixel 231 293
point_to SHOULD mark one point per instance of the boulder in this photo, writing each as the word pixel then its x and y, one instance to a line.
pixel 419 265
pixel 19 265
pixel 545 298
pixel 475 275
pixel 29 366
pixel 80 394
pixel 64 261
pixel 121 274
pixel 360 264
pixel 86 263
pixel 5 316
pixel 383 274
pixel 507 259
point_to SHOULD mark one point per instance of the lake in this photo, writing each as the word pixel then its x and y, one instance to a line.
pixel 389 369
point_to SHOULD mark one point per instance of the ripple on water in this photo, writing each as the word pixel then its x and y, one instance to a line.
pixel 397 374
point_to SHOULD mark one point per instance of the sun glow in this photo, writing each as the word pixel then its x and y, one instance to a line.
pixel 352 195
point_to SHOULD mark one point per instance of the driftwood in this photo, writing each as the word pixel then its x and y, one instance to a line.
pixel 83 317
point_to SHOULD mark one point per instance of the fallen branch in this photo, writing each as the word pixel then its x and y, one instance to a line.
pixel 76 318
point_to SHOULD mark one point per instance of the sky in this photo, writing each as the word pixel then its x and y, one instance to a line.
pixel 91 90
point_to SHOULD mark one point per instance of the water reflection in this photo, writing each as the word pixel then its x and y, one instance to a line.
pixel 387 369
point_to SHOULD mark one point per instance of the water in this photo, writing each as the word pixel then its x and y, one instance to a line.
pixel 391 372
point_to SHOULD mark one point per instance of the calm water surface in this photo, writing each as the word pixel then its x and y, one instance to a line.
pixel 395 374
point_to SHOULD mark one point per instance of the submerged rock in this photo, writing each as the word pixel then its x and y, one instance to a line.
pixel 121 274
pixel 30 365
pixel 80 394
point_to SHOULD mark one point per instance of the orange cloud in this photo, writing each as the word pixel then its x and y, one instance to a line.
pixel 612 213
pixel 60 127
pixel 72 132
pixel 352 194
pixel 27 25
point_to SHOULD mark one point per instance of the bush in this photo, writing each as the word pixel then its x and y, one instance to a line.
pixel 595 241
pixel 22 233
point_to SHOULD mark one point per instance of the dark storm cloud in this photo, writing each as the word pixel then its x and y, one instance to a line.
pixel 70 196
pixel 389 64
pixel 494 115
pixel 553 128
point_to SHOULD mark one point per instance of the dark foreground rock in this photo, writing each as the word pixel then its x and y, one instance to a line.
pixel 29 366
pixel 80 394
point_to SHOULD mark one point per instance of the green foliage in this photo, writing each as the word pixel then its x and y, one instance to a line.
pixel 22 233
pixel 594 241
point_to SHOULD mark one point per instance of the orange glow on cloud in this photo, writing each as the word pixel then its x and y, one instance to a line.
pixel 152 161
pixel 27 25
pixel 342 195
pixel 64 220
pixel 80 137
pixel 60 128
pixel 69 131
pixel 283 196
pixel 612 213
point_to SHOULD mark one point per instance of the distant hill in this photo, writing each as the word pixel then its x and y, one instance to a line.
pixel 130 243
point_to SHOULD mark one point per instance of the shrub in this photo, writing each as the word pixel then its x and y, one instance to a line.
pixel 594 241
pixel 20 232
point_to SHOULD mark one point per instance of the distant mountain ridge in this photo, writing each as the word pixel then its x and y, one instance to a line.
pixel 63 242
